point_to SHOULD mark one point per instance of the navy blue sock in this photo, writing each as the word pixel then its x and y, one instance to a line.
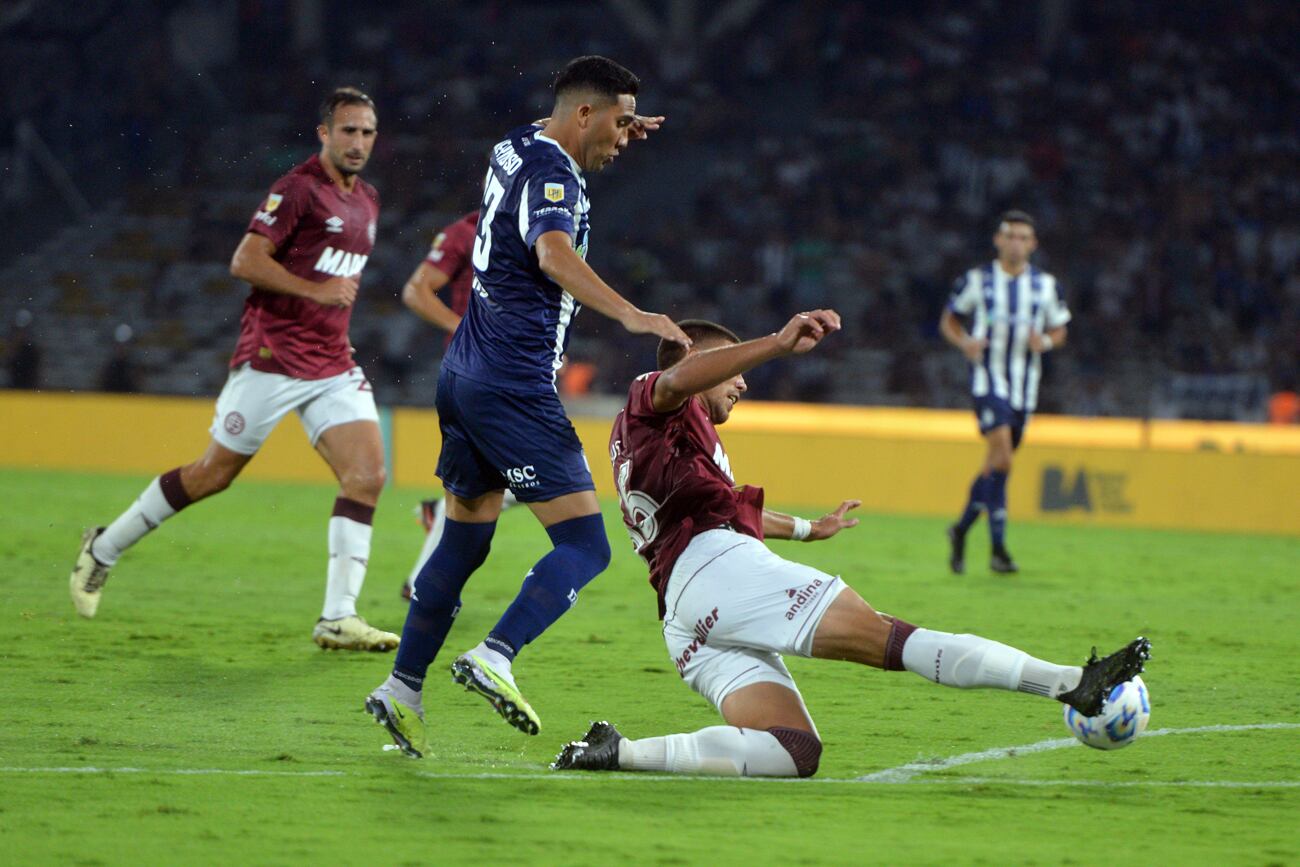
pixel 974 504
pixel 996 502
pixel 436 598
pixel 551 588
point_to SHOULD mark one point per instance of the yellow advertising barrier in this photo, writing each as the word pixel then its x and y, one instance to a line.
pixel 1119 472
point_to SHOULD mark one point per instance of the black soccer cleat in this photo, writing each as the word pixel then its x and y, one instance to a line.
pixel 597 751
pixel 956 550
pixel 1100 676
pixel 1000 561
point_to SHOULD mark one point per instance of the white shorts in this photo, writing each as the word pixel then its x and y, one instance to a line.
pixel 733 607
pixel 252 403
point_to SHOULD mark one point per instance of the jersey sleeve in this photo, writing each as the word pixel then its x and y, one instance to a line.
pixel 451 249
pixel 1055 313
pixel 281 211
pixel 548 203
pixel 965 295
pixel 641 398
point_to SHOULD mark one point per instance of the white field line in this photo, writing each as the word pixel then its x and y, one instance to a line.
pixel 905 773
pixel 902 774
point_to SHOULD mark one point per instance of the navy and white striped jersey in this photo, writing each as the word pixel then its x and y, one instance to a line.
pixel 1006 310
pixel 516 329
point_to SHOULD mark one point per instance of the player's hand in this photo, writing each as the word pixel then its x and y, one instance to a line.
pixel 973 348
pixel 336 292
pixel 828 525
pixel 643 126
pixel 1036 343
pixel 640 322
pixel 806 330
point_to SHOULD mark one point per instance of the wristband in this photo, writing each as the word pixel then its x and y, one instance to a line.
pixel 802 529
pixel 1048 342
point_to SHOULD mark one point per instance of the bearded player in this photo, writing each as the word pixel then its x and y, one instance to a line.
pixel 303 255
pixel 731 606
pixel 503 425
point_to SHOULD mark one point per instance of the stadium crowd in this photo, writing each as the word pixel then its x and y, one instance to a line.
pixel 845 154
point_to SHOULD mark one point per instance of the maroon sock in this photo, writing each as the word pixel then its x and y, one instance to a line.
pixel 898 635
pixel 173 490
pixel 354 511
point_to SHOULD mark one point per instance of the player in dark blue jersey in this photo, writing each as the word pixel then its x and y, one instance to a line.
pixel 502 422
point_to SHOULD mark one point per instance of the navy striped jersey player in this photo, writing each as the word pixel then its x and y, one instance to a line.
pixel 1016 313
pixel 517 327
pixel 1005 310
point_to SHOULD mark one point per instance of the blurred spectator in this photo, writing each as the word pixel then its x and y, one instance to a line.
pixel 24 354
pixel 119 373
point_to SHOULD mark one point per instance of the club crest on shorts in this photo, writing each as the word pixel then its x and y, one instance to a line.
pixel 554 192
pixel 234 423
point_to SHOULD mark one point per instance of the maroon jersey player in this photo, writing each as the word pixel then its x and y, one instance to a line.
pixel 447 266
pixel 731 607
pixel 302 255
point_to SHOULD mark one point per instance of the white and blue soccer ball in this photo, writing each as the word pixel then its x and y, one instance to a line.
pixel 1123 717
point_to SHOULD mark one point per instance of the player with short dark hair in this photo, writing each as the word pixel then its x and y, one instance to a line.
pixel 731 606
pixel 503 426
pixel 1017 314
pixel 302 255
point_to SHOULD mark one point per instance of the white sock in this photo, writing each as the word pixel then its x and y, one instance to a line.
pixel 720 750
pixel 349 553
pixel 431 540
pixel 499 663
pixel 404 693
pixel 148 511
pixel 969 661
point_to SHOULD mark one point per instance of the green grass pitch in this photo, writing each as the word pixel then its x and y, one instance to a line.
pixel 222 734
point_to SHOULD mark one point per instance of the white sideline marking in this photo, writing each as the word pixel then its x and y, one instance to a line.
pixel 189 772
pixel 903 774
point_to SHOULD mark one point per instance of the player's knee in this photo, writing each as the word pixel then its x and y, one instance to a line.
pixel 1000 461
pixel 805 748
pixel 585 542
pixel 364 483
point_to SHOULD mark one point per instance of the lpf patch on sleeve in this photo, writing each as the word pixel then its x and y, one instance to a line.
pixel 554 192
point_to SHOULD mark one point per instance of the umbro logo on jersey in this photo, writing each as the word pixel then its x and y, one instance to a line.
pixel 334 224
pixel 339 263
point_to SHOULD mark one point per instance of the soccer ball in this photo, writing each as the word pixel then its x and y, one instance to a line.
pixel 1123 717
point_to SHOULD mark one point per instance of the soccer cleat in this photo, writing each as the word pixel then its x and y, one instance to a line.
pixel 1100 676
pixel 352 633
pixel 88 576
pixel 404 723
pixel 597 751
pixel 956 550
pixel 477 676
pixel 1000 561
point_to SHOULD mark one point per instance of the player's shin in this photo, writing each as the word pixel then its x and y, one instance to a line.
pixel 350 529
pixel 996 501
pixel 969 661
pixel 974 504
pixel 551 588
pixel 436 597
pixel 725 751
pixel 164 497
pixel 431 540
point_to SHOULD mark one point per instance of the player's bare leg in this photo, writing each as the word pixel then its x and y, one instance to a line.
pixel 987 494
pixel 852 630
pixel 550 588
pixel 355 452
pixel 166 495
pixel 768 734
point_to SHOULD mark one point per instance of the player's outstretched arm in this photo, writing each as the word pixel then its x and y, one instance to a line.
pixel 1053 339
pixel 420 294
pixel 953 332
pixel 253 261
pixel 700 371
pixel 557 258
pixel 777 525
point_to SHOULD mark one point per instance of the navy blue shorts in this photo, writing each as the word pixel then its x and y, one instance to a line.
pixel 494 439
pixel 993 412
